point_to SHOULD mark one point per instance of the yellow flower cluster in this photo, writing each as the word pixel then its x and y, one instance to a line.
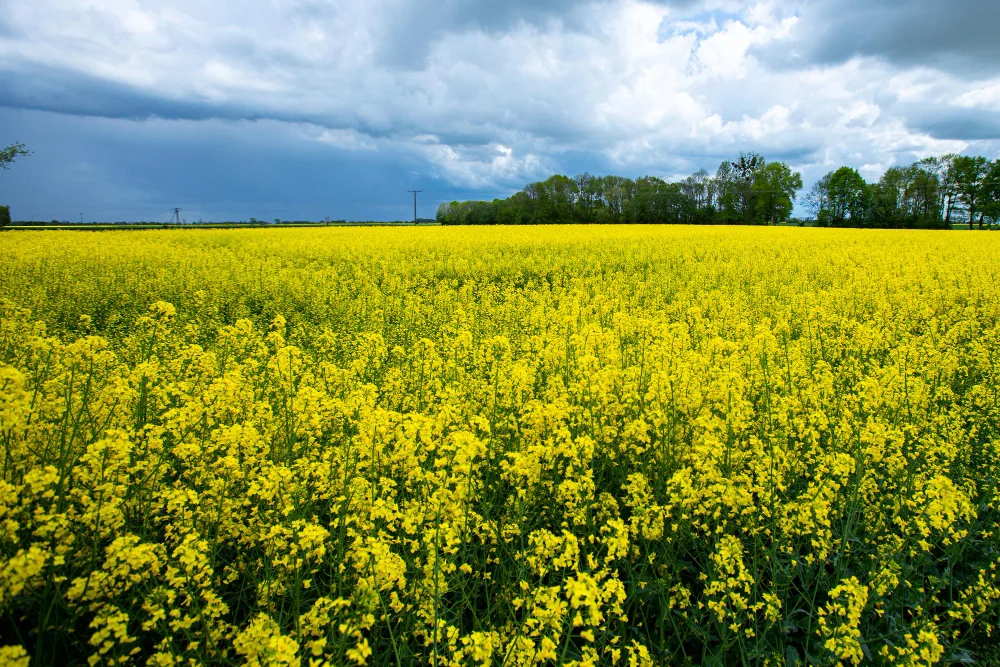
pixel 840 620
pixel 584 446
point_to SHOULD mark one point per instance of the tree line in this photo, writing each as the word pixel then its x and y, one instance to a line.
pixel 931 193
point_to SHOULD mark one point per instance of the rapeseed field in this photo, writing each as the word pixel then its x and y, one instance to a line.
pixel 534 446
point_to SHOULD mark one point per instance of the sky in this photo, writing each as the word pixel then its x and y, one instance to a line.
pixel 307 109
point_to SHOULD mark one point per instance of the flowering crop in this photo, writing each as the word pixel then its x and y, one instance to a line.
pixel 602 445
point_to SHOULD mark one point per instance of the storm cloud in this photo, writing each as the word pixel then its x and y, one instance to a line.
pixel 957 37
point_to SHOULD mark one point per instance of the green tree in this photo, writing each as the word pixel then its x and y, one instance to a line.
pixel 818 199
pixel 10 154
pixel 588 197
pixel 925 193
pixel 444 213
pixel 942 170
pixel 7 157
pixel 727 193
pixel 991 201
pixel 616 196
pixel 697 189
pixel 969 174
pixel 889 199
pixel 560 195
pixel 657 202
pixel 516 210
pixel 745 171
pixel 774 190
pixel 846 198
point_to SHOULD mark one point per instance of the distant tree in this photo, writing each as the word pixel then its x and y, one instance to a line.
pixel 515 212
pixel 534 202
pixel 969 174
pixel 991 200
pixel 616 195
pixel 774 190
pixel 918 195
pixel 727 193
pixel 735 193
pixel 943 168
pixel 7 157
pixel 847 198
pixel 504 212
pixel 818 199
pixel 696 188
pixel 908 196
pixel 745 171
pixel 559 195
pixel 10 154
pixel 654 201
pixel 588 197
pixel 889 199
pixel 481 213
pixel 924 195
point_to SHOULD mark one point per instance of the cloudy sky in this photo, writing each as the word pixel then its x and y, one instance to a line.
pixel 302 109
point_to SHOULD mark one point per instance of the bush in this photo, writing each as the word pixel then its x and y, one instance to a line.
pixel 4 216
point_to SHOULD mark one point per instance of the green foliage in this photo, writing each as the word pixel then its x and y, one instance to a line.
pixel 907 197
pixel 7 157
pixel 774 189
pixel 736 182
pixel 751 191
pixel 969 174
pixel 848 196
pixel 991 204
pixel 11 153
pixel 926 194
pixel 734 195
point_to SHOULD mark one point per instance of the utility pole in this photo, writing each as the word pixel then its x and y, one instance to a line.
pixel 414 204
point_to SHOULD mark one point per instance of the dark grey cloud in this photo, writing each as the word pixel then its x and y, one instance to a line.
pixel 796 155
pixel 42 88
pixel 958 36
pixel 116 169
pixel 962 124
pixel 413 28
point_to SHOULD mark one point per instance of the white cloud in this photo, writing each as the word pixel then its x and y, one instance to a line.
pixel 475 168
pixel 985 97
pixel 872 172
pixel 346 140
